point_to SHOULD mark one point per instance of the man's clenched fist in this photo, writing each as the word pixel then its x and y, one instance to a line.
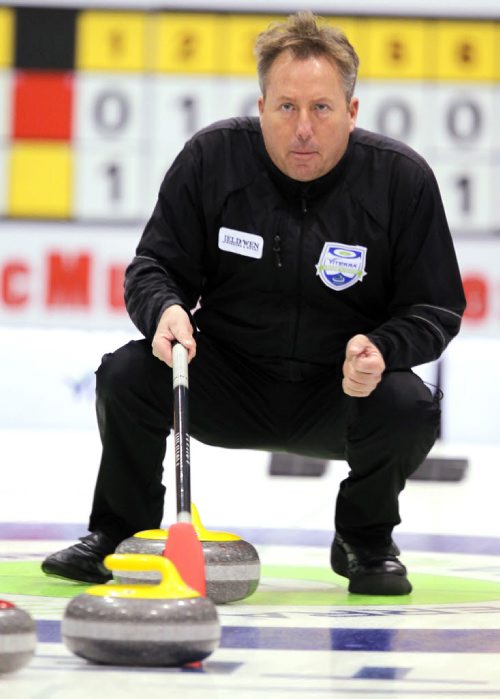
pixel 363 367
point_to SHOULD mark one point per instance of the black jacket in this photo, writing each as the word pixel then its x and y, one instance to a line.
pixel 379 208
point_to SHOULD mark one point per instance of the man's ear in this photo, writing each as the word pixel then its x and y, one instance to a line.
pixel 353 112
pixel 260 104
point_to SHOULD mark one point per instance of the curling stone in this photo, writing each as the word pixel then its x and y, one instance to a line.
pixel 232 565
pixel 17 637
pixel 162 625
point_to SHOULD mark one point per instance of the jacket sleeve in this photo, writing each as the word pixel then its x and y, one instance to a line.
pixel 428 300
pixel 167 267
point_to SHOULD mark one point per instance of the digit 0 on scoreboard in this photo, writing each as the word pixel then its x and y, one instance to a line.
pixel 110 106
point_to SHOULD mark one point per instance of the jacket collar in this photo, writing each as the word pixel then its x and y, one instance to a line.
pixel 295 189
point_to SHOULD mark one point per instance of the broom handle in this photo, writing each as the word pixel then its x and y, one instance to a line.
pixel 181 432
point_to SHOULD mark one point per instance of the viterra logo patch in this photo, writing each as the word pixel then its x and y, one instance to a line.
pixel 341 266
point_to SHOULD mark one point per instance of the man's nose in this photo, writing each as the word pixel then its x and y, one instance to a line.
pixel 304 126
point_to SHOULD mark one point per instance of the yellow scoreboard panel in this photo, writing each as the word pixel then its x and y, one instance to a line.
pixel 95 103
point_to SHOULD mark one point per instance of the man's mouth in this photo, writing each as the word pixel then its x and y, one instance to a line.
pixel 303 153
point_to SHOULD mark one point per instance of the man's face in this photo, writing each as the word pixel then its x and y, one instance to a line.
pixel 304 116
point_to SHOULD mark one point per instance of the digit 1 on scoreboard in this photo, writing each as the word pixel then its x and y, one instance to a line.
pixel 114 174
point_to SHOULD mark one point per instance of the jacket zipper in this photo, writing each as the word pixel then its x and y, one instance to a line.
pixel 277 250
pixel 303 210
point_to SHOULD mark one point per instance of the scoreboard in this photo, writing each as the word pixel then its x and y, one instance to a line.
pixel 96 103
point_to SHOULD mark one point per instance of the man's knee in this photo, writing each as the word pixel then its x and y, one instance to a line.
pixel 402 402
pixel 128 367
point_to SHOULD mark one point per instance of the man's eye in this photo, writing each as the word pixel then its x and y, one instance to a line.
pixel 287 107
pixel 322 107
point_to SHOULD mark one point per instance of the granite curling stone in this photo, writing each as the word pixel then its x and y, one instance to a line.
pixel 17 637
pixel 232 565
pixel 162 625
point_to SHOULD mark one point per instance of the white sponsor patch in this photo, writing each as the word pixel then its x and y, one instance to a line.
pixel 241 243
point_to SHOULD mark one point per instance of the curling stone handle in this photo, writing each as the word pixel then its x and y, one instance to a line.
pixel 137 562
pixel 171 584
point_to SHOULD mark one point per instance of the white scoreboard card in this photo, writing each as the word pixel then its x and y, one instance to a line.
pixel 110 107
pixel 108 182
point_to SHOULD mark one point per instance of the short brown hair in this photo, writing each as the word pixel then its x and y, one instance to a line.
pixel 303 36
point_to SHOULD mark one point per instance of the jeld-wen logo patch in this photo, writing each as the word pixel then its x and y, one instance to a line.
pixel 241 243
pixel 340 266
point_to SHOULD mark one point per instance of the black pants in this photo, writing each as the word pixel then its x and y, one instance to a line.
pixel 236 404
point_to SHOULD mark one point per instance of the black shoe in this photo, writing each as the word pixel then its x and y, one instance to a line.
pixel 371 571
pixel 82 562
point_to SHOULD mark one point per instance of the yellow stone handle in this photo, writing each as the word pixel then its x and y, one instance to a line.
pixel 171 586
pixel 203 534
pixel 209 534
